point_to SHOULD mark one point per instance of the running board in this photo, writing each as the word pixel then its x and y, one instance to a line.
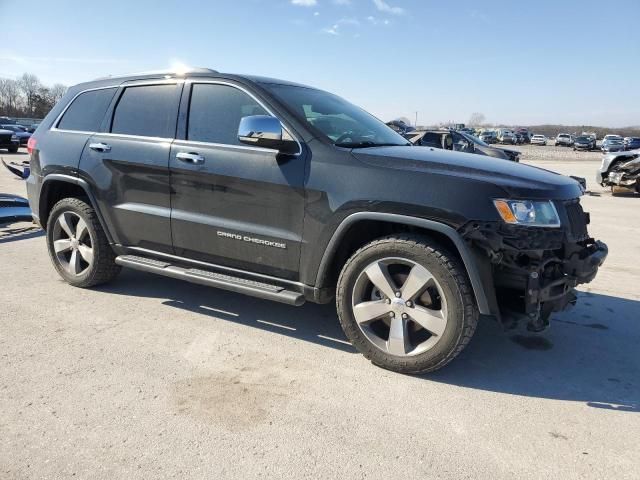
pixel 213 279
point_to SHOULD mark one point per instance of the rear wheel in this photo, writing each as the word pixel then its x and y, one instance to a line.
pixel 13 149
pixel 78 246
pixel 405 303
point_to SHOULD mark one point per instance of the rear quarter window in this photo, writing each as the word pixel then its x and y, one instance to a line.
pixel 86 111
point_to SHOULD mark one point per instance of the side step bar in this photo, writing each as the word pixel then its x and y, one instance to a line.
pixel 213 279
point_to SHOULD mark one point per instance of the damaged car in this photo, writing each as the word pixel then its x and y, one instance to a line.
pixel 460 142
pixel 620 169
pixel 289 193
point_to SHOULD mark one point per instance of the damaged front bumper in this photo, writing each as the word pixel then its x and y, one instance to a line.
pixel 534 271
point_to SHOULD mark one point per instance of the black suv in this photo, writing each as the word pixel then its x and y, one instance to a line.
pixel 292 194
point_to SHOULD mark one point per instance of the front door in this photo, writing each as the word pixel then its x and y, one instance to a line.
pixel 232 204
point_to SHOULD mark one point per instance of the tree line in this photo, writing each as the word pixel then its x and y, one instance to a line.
pixel 27 97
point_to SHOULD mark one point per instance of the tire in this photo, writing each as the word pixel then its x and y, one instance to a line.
pixel 445 303
pixel 80 252
pixel 13 149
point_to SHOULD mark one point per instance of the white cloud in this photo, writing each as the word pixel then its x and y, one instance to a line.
pixel 333 30
pixel 376 21
pixel 305 3
pixel 316 14
pixel 383 6
pixel 342 2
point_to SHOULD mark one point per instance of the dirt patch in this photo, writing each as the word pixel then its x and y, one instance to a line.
pixel 238 399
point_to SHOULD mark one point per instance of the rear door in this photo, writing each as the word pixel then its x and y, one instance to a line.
pixel 128 164
pixel 232 204
pixel 63 144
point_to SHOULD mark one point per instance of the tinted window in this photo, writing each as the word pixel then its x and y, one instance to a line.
pixel 87 111
pixel 146 111
pixel 215 112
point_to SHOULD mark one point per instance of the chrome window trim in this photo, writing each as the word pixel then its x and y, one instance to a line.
pixel 128 136
pixel 179 142
pixel 55 128
pixel 188 82
pixel 142 83
pixel 191 81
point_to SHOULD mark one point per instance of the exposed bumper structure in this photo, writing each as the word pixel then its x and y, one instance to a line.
pixel 534 271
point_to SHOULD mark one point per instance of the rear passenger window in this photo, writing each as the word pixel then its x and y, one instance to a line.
pixel 87 111
pixel 215 112
pixel 146 111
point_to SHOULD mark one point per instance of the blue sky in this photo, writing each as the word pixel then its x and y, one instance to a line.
pixel 542 61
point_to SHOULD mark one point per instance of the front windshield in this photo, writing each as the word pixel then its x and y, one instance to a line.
pixel 338 120
pixel 474 139
pixel 583 139
pixel 10 127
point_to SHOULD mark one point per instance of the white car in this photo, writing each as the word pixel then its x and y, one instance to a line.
pixel 538 140
pixel 564 139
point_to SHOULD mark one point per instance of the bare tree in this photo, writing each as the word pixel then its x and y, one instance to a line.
pixel 29 85
pixel 57 92
pixel 9 95
pixel 476 119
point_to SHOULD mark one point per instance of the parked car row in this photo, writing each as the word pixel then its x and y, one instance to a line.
pixel 14 135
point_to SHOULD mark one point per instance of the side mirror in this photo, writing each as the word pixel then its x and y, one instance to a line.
pixel 265 131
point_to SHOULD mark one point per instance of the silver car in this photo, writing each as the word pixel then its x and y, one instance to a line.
pixel 610 160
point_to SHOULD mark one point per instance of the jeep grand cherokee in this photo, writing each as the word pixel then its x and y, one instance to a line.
pixel 292 194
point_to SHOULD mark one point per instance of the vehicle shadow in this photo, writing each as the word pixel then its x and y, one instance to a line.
pixel 589 354
pixel 312 323
pixel 21 231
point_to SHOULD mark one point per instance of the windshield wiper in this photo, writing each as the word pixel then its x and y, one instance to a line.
pixel 369 143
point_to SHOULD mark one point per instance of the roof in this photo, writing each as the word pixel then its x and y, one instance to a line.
pixel 191 72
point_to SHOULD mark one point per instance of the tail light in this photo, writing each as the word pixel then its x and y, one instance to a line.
pixel 31 145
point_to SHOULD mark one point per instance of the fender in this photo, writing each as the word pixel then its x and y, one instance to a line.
pixel 480 292
pixel 85 186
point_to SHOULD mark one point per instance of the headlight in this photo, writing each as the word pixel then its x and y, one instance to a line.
pixel 532 213
pixel 14 138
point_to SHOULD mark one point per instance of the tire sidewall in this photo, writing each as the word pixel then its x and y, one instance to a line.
pixel 60 208
pixel 426 257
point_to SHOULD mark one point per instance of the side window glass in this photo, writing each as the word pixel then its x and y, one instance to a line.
pixel 215 112
pixel 146 111
pixel 87 111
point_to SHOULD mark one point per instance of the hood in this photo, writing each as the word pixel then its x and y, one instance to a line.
pixel 515 179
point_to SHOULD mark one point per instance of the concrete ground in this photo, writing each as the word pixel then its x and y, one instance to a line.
pixel 149 377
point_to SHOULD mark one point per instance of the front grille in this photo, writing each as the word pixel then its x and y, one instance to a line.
pixel 578 220
pixel 5 138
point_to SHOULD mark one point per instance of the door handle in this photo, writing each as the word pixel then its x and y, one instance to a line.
pixel 194 158
pixel 100 147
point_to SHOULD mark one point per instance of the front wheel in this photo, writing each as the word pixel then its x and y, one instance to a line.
pixel 405 303
pixel 78 246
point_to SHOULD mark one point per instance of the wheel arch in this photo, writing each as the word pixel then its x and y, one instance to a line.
pixel 56 186
pixel 377 224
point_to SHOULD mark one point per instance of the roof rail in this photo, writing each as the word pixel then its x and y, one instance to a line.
pixel 161 72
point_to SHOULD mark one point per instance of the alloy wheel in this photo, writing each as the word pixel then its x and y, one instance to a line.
pixel 72 243
pixel 399 306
